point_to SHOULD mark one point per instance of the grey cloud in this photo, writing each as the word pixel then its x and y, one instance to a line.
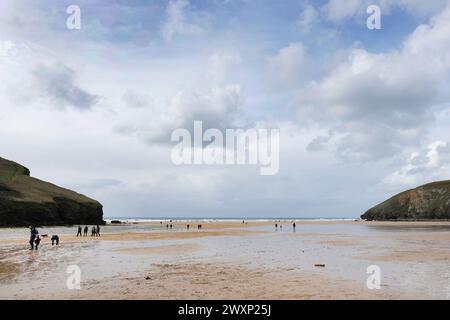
pixel 100 184
pixel 429 163
pixel 217 108
pixel 319 143
pixel 57 83
pixel 136 100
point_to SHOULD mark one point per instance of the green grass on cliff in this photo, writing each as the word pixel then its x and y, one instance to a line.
pixel 17 185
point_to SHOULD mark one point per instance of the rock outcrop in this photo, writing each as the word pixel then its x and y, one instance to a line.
pixel 26 201
pixel 428 202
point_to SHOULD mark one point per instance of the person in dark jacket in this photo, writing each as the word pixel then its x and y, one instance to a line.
pixel 33 234
pixel 55 240
pixel 37 242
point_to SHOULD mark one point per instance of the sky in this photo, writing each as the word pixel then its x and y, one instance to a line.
pixel 362 113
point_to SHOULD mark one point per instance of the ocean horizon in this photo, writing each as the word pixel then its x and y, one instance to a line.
pixel 143 219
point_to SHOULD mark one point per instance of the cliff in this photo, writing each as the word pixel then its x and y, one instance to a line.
pixel 430 201
pixel 26 201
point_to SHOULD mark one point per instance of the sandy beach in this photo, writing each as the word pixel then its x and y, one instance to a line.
pixel 232 260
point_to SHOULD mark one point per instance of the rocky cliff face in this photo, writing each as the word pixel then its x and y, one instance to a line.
pixel 26 201
pixel 431 201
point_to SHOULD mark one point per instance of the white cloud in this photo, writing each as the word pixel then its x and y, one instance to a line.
pixel 5 48
pixel 215 102
pixel 379 104
pixel 221 64
pixel 429 164
pixel 288 66
pixel 177 23
pixel 308 18
pixel 339 11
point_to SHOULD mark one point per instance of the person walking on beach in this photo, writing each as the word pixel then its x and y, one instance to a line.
pixel 98 231
pixel 167 226
pixel 79 231
pixel 187 227
pixel 36 242
pixel 293 226
pixel 55 240
pixel 276 226
pixel 86 229
pixel 33 234
pixel 281 227
pixel 93 232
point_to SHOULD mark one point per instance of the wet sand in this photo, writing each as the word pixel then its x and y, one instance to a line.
pixel 231 260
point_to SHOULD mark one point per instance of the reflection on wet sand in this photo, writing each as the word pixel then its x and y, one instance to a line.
pixel 231 260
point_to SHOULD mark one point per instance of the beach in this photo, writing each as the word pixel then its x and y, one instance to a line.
pixel 231 260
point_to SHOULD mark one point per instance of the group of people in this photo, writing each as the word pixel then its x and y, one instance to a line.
pixel 170 226
pixel 95 231
pixel 199 226
pixel 281 227
pixel 35 239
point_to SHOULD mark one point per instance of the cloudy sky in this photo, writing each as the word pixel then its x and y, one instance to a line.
pixel 363 114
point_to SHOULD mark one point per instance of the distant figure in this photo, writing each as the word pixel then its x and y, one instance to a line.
pixel 79 231
pixel 187 227
pixel 86 229
pixel 93 232
pixel 33 234
pixel 281 227
pixel 293 226
pixel 276 226
pixel 36 242
pixel 167 226
pixel 55 240
pixel 243 221
pixel 171 226
pixel 98 231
